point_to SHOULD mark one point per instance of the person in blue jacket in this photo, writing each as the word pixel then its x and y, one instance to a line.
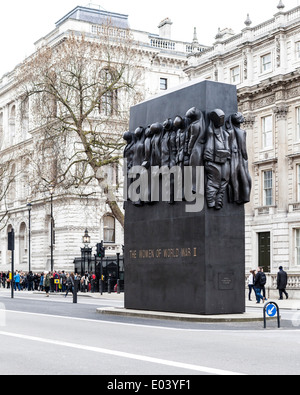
pixel 17 281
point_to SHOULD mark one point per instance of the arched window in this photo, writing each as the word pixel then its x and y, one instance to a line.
pixel 109 231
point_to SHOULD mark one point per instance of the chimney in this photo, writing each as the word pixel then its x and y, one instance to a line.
pixel 165 28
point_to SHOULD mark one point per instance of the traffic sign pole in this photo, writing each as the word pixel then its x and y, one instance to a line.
pixel 271 309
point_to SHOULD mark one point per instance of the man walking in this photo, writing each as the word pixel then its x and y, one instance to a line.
pixel 259 284
pixel 17 279
pixel 282 280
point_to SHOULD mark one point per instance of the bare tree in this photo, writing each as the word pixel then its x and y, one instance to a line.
pixel 8 178
pixel 80 91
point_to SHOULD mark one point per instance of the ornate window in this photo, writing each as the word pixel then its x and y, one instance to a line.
pixel 266 63
pixel 267 131
pixel 298 50
pixel 163 84
pixel 298 123
pixel 235 75
pixel 25 117
pixel 1 129
pixel 12 123
pixel 298 247
pixel 268 188
pixel 108 104
pixel 109 229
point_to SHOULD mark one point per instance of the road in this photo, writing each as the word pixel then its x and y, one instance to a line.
pixel 53 336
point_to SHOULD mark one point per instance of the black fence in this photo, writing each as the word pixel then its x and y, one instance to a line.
pixel 109 268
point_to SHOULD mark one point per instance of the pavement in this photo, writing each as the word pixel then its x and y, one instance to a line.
pixel 116 311
pixel 290 304
pixel 253 316
pixel 249 316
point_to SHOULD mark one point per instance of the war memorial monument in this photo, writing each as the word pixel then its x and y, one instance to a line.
pixel 187 180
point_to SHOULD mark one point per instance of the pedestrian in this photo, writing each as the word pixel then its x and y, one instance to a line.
pixel 51 282
pixel 30 279
pixel 282 280
pixel 47 279
pixel 70 283
pixel 8 280
pixel 251 284
pixel 84 282
pixel 41 287
pixel 263 281
pixel 36 281
pixel 17 279
pixel 56 281
pixel 93 282
pixel 63 279
pixel 259 284
pixel 3 279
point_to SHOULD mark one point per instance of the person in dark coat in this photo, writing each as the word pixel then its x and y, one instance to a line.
pixel 282 280
pixel 259 284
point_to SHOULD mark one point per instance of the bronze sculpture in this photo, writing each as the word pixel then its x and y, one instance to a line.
pixel 217 160
pixel 129 149
pixel 188 141
pixel 197 140
pixel 240 179
pixel 139 146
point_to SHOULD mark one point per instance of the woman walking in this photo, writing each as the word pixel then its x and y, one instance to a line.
pixel 251 283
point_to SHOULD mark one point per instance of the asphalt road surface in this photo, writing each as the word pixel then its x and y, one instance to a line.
pixel 53 336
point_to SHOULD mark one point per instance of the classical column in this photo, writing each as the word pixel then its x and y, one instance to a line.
pixel 280 113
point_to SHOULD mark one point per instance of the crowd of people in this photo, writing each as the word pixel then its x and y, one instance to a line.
pixel 57 281
pixel 257 282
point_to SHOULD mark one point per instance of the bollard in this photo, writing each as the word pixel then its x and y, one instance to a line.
pixel 109 286
pixel 75 290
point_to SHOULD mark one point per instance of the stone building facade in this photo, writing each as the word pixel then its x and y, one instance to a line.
pixel 263 61
pixel 163 61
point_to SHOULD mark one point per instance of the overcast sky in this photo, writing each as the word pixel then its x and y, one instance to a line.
pixel 23 22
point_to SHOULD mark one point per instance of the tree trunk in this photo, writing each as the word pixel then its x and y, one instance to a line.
pixel 116 211
pixel 112 202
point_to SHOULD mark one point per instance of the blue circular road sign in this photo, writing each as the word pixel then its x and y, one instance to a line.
pixel 271 310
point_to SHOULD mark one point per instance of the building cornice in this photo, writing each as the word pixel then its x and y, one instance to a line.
pixel 269 85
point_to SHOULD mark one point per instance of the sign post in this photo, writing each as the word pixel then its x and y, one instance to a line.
pixel 271 309
pixel 11 247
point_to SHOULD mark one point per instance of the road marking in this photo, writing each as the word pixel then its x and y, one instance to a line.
pixel 120 354
pixel 105 322
pixel 61 299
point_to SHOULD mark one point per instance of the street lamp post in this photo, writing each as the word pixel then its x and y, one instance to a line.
pixel 29 206
pixel 51 190
pixel 86 252
pixel 86 239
